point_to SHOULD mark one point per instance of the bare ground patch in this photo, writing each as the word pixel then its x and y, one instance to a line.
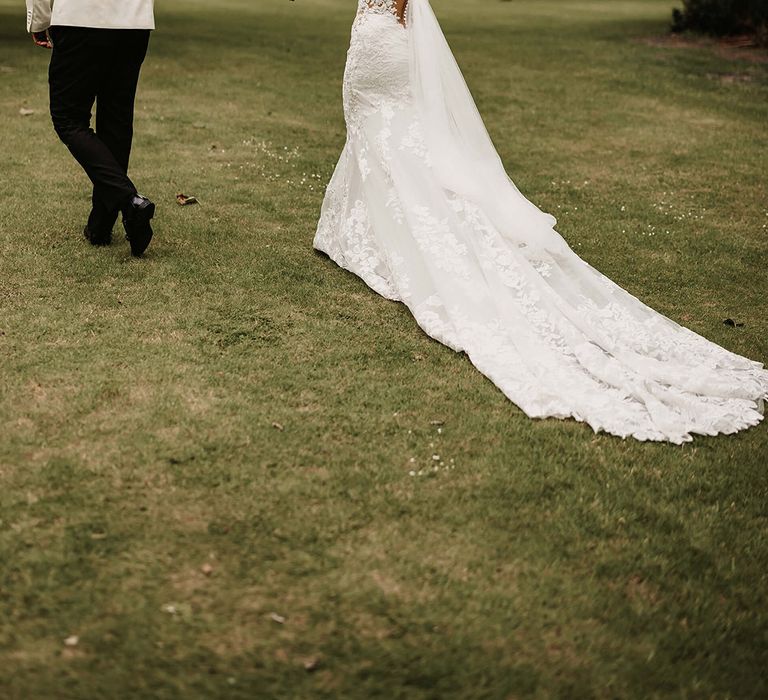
pixel 738 48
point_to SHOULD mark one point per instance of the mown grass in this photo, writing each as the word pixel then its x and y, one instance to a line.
pixel 139 398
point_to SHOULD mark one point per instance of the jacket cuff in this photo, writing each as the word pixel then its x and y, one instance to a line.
pixel 38 15
pixel 37 26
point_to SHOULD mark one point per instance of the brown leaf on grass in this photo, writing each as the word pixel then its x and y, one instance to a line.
pixel 275 617
pixel 207 569
pixel 72 641
pixel 278 426
pixel 184 200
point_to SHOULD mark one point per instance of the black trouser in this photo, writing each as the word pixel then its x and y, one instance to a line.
pixel 101 66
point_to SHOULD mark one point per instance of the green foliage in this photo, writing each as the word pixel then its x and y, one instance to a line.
pixel 150 508
pixel 723 17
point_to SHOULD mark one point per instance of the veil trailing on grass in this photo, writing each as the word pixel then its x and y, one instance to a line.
pixel 460 147
pixel 421 208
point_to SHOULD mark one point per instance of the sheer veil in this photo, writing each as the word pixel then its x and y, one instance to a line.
pixel 460 147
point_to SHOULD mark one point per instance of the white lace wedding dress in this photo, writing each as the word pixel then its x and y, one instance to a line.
pixel 420 208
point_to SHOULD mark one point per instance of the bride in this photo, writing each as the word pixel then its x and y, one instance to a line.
pixel 420 208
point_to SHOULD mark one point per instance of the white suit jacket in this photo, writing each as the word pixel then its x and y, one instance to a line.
pixel 98 14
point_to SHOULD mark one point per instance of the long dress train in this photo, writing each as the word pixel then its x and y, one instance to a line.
pixel 420 208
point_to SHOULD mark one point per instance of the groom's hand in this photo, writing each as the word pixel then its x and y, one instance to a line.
pixel 42 40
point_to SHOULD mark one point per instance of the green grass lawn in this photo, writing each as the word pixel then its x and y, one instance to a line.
pixel 150 507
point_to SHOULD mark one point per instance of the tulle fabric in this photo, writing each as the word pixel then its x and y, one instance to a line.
pixel 420 207
pixel 464 158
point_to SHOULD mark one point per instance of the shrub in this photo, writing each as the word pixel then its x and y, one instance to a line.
pixel 723 17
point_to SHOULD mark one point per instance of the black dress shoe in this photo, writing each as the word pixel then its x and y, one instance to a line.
pixel 136 221
pixel 100 238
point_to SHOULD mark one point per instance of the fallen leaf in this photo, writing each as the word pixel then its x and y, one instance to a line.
pixel 24 112
pixel 733 324
pixel 72 641
pixel 278 426
pixel 184 200
pixel 277 618
pixel 207 569
pixel 311 663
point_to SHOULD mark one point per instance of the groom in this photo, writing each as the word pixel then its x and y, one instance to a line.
pixel 98 49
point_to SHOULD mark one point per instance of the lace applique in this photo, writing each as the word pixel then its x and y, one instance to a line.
pixel 362 164
pixel 435 239
pixel 413 142
pixel 381 7
pixel 393 204
pixel 383 148
pixel 376 77
pixel 362 253
pixel 542 267
pixel 360 249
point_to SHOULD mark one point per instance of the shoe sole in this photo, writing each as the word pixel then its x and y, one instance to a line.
pixel 144 216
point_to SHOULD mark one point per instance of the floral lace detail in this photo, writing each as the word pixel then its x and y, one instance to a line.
pixel 394 205
pixel 413 141
pixel 556 336
pixel 382 142
pixel 376 73
pixel 362 163
pixel 381 7
pixel 435 239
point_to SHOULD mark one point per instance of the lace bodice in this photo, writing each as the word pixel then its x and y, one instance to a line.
pixel 381 7
pixel 377 71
